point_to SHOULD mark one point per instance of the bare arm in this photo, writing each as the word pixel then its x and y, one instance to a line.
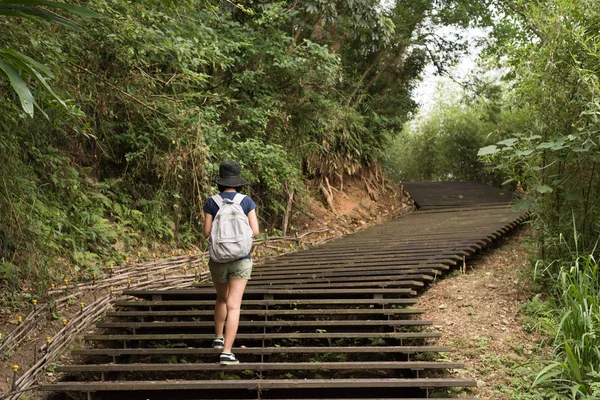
pixel 208 220
pixel 253 220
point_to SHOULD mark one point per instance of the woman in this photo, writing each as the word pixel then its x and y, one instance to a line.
pixel 229 278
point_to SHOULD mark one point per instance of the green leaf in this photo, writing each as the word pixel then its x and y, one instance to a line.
pixel 23 64
pixel 533 137
pixel 32 12
pixel 546 145
pixel 37 12
pixel 509 142
pixel 548 373
pixel 488 150
pixel 39 66
pixel 573 363
pixel 9 12
pixel 19 86
pixel 523 152
pixel 84 12
pixel 522 204
pixel 542 188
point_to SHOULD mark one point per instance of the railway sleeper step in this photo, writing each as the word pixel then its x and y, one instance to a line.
pixel 259 384
pixel 376 270
pixel 401 243
pixel 246 313
pixel 367 324
pixel 264 366
pixel 111 352
pixel 362 256
pixel 263 303
pixel 358 261
pixel 274 293
pixel 346 277
pixel 337 285
pixel 269 336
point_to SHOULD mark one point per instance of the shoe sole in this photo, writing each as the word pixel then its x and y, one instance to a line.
pixel 228 362
pixel 218 347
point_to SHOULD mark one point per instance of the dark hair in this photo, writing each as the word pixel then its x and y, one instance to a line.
pixel 223 188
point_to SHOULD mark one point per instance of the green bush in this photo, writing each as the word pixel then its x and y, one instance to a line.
pixel 576 331
pixel 443 144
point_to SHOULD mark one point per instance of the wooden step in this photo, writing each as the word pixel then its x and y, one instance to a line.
pixel 265 350
pixel 257 384
pixel 261 271
pixel 262 313
pixel 254 293
pixel 266 303
pixel 261 324
pixel 326 285
pixel 379 365
pixel 268 336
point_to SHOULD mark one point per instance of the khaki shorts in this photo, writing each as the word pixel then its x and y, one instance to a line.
pixel 223 272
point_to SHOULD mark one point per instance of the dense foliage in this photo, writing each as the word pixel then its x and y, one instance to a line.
pixel 555 156
pixel 146 100
pixel 443 143
pixel 553 55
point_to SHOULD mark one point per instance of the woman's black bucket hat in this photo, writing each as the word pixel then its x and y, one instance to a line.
pixel 230 175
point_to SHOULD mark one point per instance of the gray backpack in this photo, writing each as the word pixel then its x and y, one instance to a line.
pixel 230 237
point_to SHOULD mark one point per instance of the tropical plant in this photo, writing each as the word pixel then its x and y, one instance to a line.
pixel 14 64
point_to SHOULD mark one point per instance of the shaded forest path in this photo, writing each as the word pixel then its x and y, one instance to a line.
pixel 335 321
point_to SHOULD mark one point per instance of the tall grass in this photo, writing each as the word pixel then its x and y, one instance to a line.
pixel 575 372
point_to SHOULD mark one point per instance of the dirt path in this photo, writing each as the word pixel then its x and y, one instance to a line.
pixel 481 316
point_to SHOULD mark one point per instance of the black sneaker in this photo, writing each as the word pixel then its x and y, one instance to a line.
pixel 228 358
pixel 218 343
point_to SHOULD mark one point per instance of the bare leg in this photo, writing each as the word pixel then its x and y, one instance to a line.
pixel 234 302
pixel 221 307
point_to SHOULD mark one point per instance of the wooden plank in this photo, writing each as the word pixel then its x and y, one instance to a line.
pixel 262 384
pixel 247 312
pixel 361 365
pixel 259 336
pixel 401 244
pixel 404 260
pixel 315 284
pixel 307 269
pixel 268 324
pixel 265 350
pixel 391 254
pixel 195 293
pixel 348 285
pixel 346 275
pixel 367 276
pixel 375 248
pixel 286 302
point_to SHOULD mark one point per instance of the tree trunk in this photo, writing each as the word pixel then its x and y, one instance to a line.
pixel 288 211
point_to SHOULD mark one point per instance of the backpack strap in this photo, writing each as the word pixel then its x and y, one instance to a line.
pixel 218 200
pixel 238 198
